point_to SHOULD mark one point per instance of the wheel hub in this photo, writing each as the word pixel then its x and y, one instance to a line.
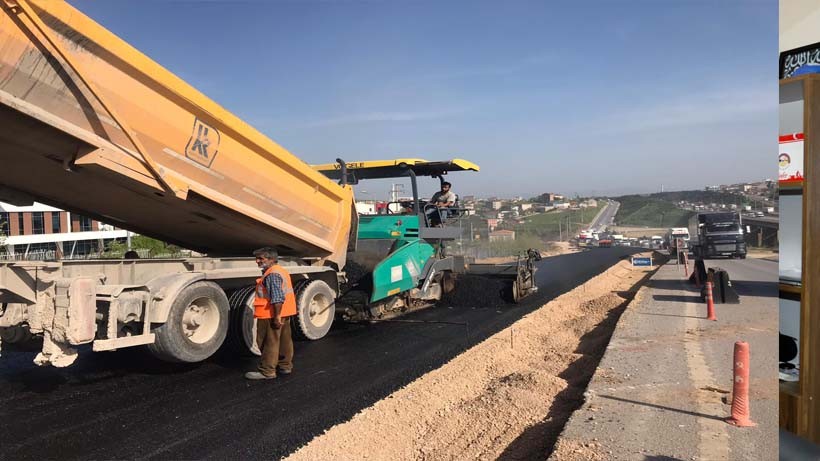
pixel 200 320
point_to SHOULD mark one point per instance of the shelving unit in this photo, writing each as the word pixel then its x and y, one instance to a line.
pixel 800 254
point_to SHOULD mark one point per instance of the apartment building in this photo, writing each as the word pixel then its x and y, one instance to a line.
pixel 43 232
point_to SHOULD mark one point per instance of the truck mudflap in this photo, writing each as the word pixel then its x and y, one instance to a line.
pixel 520 274
pixel 71 322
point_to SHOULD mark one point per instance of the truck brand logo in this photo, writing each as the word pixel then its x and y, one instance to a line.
pixel 204 143
pixel 350 166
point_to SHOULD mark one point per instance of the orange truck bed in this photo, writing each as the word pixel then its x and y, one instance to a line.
pixel 91 125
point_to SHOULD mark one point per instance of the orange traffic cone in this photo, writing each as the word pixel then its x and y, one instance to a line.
pixel 740 391
pixel 710 303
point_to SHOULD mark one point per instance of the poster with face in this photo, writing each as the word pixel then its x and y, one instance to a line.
pixel 790 159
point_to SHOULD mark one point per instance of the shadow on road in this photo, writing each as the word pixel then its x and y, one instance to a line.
pixel 660 458
pixel 755 288
pixel 661 407
pixel 678 298
pixel 681 284
pixel 671 315
pixel 104 367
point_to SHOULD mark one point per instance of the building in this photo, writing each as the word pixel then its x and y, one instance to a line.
pixel 497 204
pixel 561 205
pixel 492 223
pixel 43 232
pixel 502 235
pixel 366 207
pixel 526 206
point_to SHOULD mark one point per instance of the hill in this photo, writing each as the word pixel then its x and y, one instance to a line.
pixel 661 209
pixel 650 211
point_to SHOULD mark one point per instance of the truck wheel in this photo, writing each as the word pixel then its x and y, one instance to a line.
pixel 315 311
pixel 196 326
pixel 242 328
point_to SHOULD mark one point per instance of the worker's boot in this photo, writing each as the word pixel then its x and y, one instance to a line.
pixel 254 375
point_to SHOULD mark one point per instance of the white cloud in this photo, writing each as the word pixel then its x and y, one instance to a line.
pixel 372 117
pixel 704 108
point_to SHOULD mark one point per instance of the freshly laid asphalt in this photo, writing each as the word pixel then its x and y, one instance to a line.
pixel 664 385
pixel 125 404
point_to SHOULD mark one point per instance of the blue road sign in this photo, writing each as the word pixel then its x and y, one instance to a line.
pixel 642 262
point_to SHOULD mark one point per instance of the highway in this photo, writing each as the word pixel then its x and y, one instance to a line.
pixel 606 217
pixel 125 404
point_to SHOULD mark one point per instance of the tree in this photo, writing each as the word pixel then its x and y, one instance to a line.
pixel 3 227
pixel 151 246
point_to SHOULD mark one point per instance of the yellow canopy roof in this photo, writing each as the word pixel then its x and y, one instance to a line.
pixel 376 169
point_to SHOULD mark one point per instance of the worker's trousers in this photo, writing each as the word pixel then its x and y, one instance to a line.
pixel 276 346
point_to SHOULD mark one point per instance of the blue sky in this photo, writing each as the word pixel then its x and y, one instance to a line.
pixel 595 97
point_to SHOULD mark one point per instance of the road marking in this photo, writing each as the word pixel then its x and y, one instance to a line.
pixel 713 434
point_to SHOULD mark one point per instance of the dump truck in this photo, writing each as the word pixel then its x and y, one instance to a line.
pixel 110 134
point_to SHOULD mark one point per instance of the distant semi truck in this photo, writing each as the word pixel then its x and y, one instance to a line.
pixel 676 235
pixel 719 235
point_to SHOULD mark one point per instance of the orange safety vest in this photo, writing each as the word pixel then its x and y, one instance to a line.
pixel 262 307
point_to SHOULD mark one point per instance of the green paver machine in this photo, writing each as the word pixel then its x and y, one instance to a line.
pixel 400 259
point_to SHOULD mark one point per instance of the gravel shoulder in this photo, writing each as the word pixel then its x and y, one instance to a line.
pixel 508 397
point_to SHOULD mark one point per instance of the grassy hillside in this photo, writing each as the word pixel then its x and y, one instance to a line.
pixel 650 211
pixel 545 225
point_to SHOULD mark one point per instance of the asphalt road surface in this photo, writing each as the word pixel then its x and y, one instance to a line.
pixel 127 405
pixel 606 217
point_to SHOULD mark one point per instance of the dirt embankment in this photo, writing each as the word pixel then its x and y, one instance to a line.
pixel 508 397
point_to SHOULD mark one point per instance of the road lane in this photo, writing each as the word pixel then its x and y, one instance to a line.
pixel 125 404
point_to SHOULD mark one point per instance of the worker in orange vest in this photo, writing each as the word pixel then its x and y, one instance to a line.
pixel 273 305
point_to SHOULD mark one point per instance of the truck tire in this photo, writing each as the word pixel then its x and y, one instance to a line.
pixel 315 311
pixel 241 337
pixel 196 326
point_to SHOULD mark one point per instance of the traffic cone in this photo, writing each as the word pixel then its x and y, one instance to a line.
pixel 710 303
pixel 740 391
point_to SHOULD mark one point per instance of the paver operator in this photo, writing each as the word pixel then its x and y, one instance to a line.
pixel 443 199
pixel 274 302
